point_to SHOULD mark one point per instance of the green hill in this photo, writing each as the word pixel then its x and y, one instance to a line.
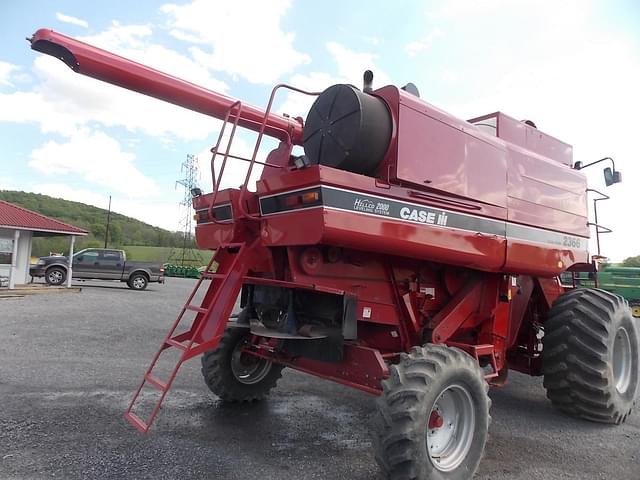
pixel 123 230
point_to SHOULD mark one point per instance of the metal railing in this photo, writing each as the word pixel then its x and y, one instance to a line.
pixel 232 115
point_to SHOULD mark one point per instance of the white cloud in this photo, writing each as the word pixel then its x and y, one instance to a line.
pixel 351 66
pixel 235 169
pixel 418 46
pixel 62 101
pixel 66 192
pixel 243 38
pixel 72 20
pixel 98 159
pixel 375 41
pixel 8 183
pixel 6 70
pixel 134 42
pixel 298 104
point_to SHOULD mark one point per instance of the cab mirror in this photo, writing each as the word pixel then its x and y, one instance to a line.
pixel 611 176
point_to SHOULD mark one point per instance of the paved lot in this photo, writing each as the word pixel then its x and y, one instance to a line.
pixel 69 364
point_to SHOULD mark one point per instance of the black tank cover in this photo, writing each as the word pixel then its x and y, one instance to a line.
pixel 347 129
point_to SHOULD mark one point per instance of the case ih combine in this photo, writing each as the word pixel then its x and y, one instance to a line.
pixel 407 253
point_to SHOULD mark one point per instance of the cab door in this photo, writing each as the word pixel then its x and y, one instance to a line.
pixel 85 264
pixel 110 265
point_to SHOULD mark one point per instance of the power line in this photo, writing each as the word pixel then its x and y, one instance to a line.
pixel 191 176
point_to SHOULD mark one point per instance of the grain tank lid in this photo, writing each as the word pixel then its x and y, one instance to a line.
pixel 524 134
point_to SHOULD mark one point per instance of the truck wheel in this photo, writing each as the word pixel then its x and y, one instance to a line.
pixel 55 276
pixel 138 281
pixel 590 356
pixel 433 416
pixel 235 376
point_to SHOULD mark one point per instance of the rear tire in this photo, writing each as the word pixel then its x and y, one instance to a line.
pixel 590 356
pixel 138 281
pixel 433 416
pixel 237 377
pixel 55 276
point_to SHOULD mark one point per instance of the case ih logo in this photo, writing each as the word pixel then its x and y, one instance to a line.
pixel 368 206
pixel 423 216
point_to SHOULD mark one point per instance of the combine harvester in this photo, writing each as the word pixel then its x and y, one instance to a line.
pixel 407 253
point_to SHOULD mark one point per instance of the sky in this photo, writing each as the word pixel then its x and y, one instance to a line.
pixel 571 66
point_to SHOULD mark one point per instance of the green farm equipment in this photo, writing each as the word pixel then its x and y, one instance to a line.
pixel 623 281
pixel 184 271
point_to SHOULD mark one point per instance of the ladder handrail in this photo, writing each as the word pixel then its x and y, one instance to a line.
pixel 599 228
pixel 244 212
pixel 215 152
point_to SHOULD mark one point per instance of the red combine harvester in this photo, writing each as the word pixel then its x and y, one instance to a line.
pixel 406 253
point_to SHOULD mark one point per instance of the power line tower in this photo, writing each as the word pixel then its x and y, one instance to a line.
pixel 187 255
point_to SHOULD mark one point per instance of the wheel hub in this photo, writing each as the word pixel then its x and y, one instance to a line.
pixel 622 360
pixel 435 421
pixel 450 428
pixel 246 368
pixel 55 276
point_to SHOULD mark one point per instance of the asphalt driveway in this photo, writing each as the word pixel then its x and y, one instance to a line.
pixel 70 362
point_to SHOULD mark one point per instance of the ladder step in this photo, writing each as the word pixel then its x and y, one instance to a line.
pixel 225 246
pixel 212 275
pixel 137 422
pixel 193 308
pixel 176 343
pixel 160 385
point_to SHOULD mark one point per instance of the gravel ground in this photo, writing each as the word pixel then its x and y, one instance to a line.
pixel 70 362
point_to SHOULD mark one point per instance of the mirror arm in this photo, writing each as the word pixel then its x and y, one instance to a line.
pixel 580 166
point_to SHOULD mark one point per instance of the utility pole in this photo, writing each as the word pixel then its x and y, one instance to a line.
pixel 106 233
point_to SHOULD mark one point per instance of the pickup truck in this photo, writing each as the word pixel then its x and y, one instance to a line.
pixel 99 264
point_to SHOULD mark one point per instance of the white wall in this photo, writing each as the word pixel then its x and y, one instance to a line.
pixel 24 252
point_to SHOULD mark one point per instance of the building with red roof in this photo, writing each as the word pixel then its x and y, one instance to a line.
pixel 18 226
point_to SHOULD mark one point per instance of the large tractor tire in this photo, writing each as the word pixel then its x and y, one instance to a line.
pixel 433 416
pixel 590 356
pixel 235 376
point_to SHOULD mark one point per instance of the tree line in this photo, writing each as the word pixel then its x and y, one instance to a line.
pixel 123 230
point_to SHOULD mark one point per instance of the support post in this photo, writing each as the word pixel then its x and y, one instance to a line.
pixel 13 270
pixel 70 263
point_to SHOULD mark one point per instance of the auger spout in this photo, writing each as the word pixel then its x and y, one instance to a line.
pixel 108 67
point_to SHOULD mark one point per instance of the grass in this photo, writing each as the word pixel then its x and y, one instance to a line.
pixel 192 256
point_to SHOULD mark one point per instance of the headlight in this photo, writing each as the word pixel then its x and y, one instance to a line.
pixel 40 262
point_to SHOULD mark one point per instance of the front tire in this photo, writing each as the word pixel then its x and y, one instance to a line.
pixel 590 356
pixel 55 276
pixel 433 416
pixel 235 376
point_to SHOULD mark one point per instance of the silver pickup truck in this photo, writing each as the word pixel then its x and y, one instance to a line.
pixel 99 264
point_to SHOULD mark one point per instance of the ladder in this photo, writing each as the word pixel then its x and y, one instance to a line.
pixel 207 326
